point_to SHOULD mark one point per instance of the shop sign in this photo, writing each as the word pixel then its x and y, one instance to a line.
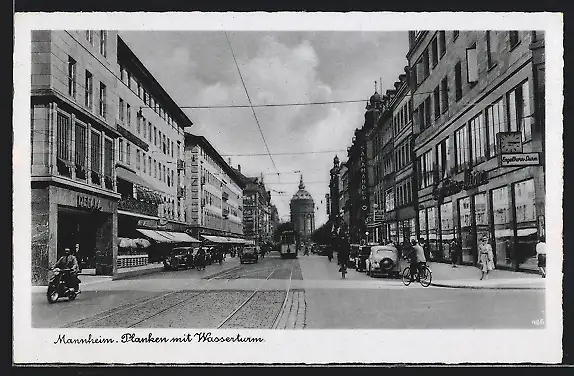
pixel 473 179
pixel 363 171
pixel 519 159
pixel 88 202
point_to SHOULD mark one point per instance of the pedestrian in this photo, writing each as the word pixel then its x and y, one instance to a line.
pixel 541 255
pixel 486 257
pixel 455 251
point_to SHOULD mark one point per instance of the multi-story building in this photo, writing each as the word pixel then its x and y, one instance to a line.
pixel 74 145
pixel 214 193
pixel 468 89
pixel 334 188
pixel 344 192
pixel 150 169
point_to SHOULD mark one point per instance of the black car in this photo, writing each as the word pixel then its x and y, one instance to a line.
pixel 249 254
pixel 179 258
pixel 361 259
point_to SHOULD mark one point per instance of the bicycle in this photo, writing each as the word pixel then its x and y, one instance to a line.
pixel 423 276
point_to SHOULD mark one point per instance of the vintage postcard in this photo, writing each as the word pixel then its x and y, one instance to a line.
pixel 298 188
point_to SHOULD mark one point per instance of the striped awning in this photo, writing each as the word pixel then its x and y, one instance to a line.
pixel 157 236
pixel 216 239
pixel 182 237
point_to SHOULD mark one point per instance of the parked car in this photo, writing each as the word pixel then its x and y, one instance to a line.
pixel 179 258
pixel 249 254
pixel 361 259
pixel 383 260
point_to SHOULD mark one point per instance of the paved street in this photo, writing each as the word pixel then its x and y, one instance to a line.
pixel 289 294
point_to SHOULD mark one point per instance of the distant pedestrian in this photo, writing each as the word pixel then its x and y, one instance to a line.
pixel 541 255
pixel 486 257
pixel 455 251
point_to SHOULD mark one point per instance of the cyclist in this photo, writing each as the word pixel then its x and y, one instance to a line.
pixel 343 247
pixel 416 255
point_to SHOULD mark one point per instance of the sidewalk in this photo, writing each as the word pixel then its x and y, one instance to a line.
pixel 444 275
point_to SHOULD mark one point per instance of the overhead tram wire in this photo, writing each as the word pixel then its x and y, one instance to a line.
pixel 250 104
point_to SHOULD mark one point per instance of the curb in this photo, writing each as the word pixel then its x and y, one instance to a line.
pixel 488 287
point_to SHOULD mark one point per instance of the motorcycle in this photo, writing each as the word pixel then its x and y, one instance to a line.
pixel 57 288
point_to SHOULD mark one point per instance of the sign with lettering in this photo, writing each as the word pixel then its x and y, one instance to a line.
pixel 363 172
pixel 473 179
pixel 88 202
pixel 519 159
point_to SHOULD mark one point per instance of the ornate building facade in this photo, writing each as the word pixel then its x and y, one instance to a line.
pixel 303 212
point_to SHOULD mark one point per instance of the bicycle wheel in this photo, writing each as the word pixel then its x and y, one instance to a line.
pixel 407 276
pixel 426 277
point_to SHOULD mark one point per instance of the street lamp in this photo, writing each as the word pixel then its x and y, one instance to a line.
pixel 366 236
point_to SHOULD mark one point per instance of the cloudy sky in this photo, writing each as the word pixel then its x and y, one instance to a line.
pixel 197 69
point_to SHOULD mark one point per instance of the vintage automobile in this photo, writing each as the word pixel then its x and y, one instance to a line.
pixel 249 254
pixel 179 258
pixel 383 260
pixel 361 259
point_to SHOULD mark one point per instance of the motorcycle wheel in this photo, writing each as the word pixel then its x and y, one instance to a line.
pixel 52 294
pixel 72 296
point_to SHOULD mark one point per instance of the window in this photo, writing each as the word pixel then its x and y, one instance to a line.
pixel 495 120
pixel 455 34
pixel 472 64
pixel 159 167
pixel 461 147
pixel 90 36
pixel 121 110
pixel 71 77
pixel 139 89
pixel 155 136
pixel 143 121
pixel 108 158
pixel 160 143
pixel 164 179
pixel 434 50
pixel 128 153
pixel 389 200
pixel 129 115
pixel 122 74
pixel 513 38
pixel 436 102
pixel 144 162
pixel 129 80
pixel 80 145
pixel 172 181
pixel 458 80
pixel 64 137
pixel 155 168
pixel 149 131
pixel 149 164
pixel 444 94
pixel 442 42
pixel 121 147
pixel 172 149
pixel 519 112
pixel 414 73
pixel 103 108
pixel 164 145
pixel 138 161
pixel 425 169
pixel 168 178
pixel 96 152
pixel 428 111
pixel 89 90
pixel 426 69
pixel 491 48
pixel 442 159
pixel 103 42
pixel 477 139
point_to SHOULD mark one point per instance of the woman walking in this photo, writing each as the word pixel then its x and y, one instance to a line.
pixel 486 257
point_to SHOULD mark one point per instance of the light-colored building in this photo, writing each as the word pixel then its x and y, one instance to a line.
pixel 467 88
pixel 302 208
pixel 214 192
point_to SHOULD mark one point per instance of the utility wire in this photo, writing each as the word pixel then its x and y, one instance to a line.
pixel 294 153
pixel 249 99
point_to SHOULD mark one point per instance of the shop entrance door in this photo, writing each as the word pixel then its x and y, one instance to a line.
pixel 77 231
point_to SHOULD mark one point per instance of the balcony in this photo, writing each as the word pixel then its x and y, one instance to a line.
pixel 138 206
pixel 224 196
pixel 180 164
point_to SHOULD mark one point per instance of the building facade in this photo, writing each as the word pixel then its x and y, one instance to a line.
pixel 73 146
pixel 258 211
pixel 334 189
pixel 214 191
pixel 344 193
pixel 468 87
pixel 302 210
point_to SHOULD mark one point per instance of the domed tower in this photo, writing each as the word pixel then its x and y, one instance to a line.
pixel 373 108
pixel 303 212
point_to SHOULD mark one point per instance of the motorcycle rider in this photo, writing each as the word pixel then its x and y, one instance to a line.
pixel 69 261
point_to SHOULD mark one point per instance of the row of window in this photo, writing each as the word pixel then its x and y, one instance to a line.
pixel 475 141
pixel 137 88
pixel 402 117
pixel 147 165
pixel 103 40
pixel 423 65
pixel 88 89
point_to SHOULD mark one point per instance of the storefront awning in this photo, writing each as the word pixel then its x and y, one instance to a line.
pixel 526 231
pixel 157 236
pixel 182 237
pixel 127 175
pixel 216 239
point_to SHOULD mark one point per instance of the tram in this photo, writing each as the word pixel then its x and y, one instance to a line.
pixel 288 244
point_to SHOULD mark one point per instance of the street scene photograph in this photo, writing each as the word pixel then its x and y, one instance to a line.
pixel 293 180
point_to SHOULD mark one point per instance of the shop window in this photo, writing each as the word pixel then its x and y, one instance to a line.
pixel 503 231
pixel 423 229
pixel 461 146
pixel 496 124
pixel 466 233
pixel 481 216
pixel 446 228
pixel 433 245
pixel 477 139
